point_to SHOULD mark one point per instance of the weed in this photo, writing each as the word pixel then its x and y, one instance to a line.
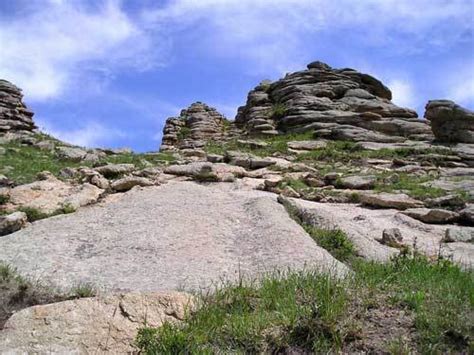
pixel 184 133
pixel 278 110
pixel 83 290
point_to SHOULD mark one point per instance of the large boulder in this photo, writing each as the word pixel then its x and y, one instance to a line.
pixel 91 325
pixel 450 122
pixel 14 115
pixel 335 103
pixel 195 126
pixel 12 222
pixel 52 194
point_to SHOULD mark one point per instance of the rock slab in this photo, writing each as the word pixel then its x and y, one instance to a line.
pixel 91 325
pixel 180 235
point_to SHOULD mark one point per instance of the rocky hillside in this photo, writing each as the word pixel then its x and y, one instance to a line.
pixel 324 218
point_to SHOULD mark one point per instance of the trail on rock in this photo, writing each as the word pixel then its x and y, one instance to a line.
pixel 177 236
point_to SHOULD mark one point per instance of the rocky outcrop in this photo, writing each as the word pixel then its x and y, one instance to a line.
pixel 14 115
pixel 195 126
pixel 335 103
pixel 92 325
pixel 450 122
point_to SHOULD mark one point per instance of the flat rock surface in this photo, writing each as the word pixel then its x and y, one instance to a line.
pixel 91 325
pixel 364 226
pixel 176 236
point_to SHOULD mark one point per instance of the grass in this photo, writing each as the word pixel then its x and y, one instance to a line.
pixel 278 110
pixel 83 290
pixel 184 133
pixel 410 184
pixel 4 199
pixel 35 214
pixel 277 144
pixel 25 162
pixel 310 312
pixel 334 241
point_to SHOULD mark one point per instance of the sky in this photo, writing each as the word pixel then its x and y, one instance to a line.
pixel 108 73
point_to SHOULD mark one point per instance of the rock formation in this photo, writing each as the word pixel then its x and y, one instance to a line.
pixel 194 126
pixel 335 103
pixel 14 115
pixel 450 122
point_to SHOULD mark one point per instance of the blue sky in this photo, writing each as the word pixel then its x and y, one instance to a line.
pixel 108 73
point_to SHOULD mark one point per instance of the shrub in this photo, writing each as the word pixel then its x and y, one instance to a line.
pixel 184 133
pixel 278 110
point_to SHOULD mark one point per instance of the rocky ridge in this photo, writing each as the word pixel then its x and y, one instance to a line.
pixel 333 103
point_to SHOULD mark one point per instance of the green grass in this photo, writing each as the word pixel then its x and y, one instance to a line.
pixel 298 310
pixel 26 162
pixel 277 144
pixel 83 290
pixel 35 214
pixel 184 133
pixel 4 199
pixel 318 313
pixel 412 185
pixel 278 110
pixel 334 241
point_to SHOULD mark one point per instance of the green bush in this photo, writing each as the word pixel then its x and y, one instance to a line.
pixel 278 110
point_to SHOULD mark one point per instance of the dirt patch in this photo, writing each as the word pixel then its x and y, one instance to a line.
pixel 381 328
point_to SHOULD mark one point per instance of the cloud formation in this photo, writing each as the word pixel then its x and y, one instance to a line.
pixel 53 45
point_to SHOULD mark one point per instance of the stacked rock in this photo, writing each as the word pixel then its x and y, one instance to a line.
pixel 450 122
pixel 14 115
pixel 195 126
pixel 334 103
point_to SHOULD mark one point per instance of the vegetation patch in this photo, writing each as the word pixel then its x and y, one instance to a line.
pixel 17 293
pixel 22 163
pixel 184 133
pixel 35 214
pixel 414 305
pixel 278 110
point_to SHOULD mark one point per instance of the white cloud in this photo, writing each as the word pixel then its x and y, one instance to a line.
pixel 460 86
pixel 403 93
pixel 61 42
pixel 276 34
pixel 91 134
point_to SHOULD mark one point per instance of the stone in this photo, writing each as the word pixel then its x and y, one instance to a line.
pixel 129 182
pixel 254 144
pixel 467 214
pixel 199 153
pixel 191 169
pixel 454 201
pixel 71 153
pixel 12 222
pixel 288 191
pixel 215 158
pixel 107 324
pixel 450 122
pixel 392 237
pixel 51 194
pixel 307 145
pixel 274 181
pixel 357 182
pixel 428 215
pixel 247 160
pixel 180 235
pixel 113 170
pixel 459 234
pixel 46 145
pixel 15 117
pixel 389 200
